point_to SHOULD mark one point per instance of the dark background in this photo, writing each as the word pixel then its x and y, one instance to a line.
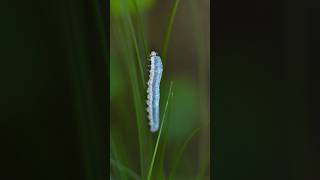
pixel 53 90
pixel 265 90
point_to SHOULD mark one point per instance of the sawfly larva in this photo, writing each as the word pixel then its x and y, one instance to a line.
pixel 153 91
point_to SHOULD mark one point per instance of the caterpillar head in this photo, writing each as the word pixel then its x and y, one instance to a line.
pixel 153 53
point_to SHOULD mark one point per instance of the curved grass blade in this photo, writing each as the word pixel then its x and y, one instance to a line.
pixel 180 152
pixel 124 169
pixel 114 154
pixel 137 98
pixel 169 30
pixel 160 131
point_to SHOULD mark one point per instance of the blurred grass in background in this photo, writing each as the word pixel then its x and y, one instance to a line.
pixel 179 32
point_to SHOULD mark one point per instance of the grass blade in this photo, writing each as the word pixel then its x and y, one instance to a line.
pixel 180 152
pixel 168 32
pixel 136 93
pixel 135 43
pixel 159 135
pixel 125 169
pixel 142 29
pixel 162 152
pixel 114 154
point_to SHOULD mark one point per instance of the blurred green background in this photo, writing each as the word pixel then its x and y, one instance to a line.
pixel 180 32
pixel 53 90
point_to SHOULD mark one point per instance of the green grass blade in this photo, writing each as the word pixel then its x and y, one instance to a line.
pixel 142 29
pixel 163 151
pixel 136 94
pixel 135 43
pixel 115 154
pixel 159 135
pixel 160 175
pixel 180 152
pixel 169 30
pixel 139 117
pixel 124 169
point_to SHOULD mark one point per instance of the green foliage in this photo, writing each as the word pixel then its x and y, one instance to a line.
pixel 119 7
pixel 136 152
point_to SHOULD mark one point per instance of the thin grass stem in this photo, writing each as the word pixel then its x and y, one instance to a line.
pixel 135 43
pixel 159 135
pixel 182 149
pixel 124 169
pixel 169 30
